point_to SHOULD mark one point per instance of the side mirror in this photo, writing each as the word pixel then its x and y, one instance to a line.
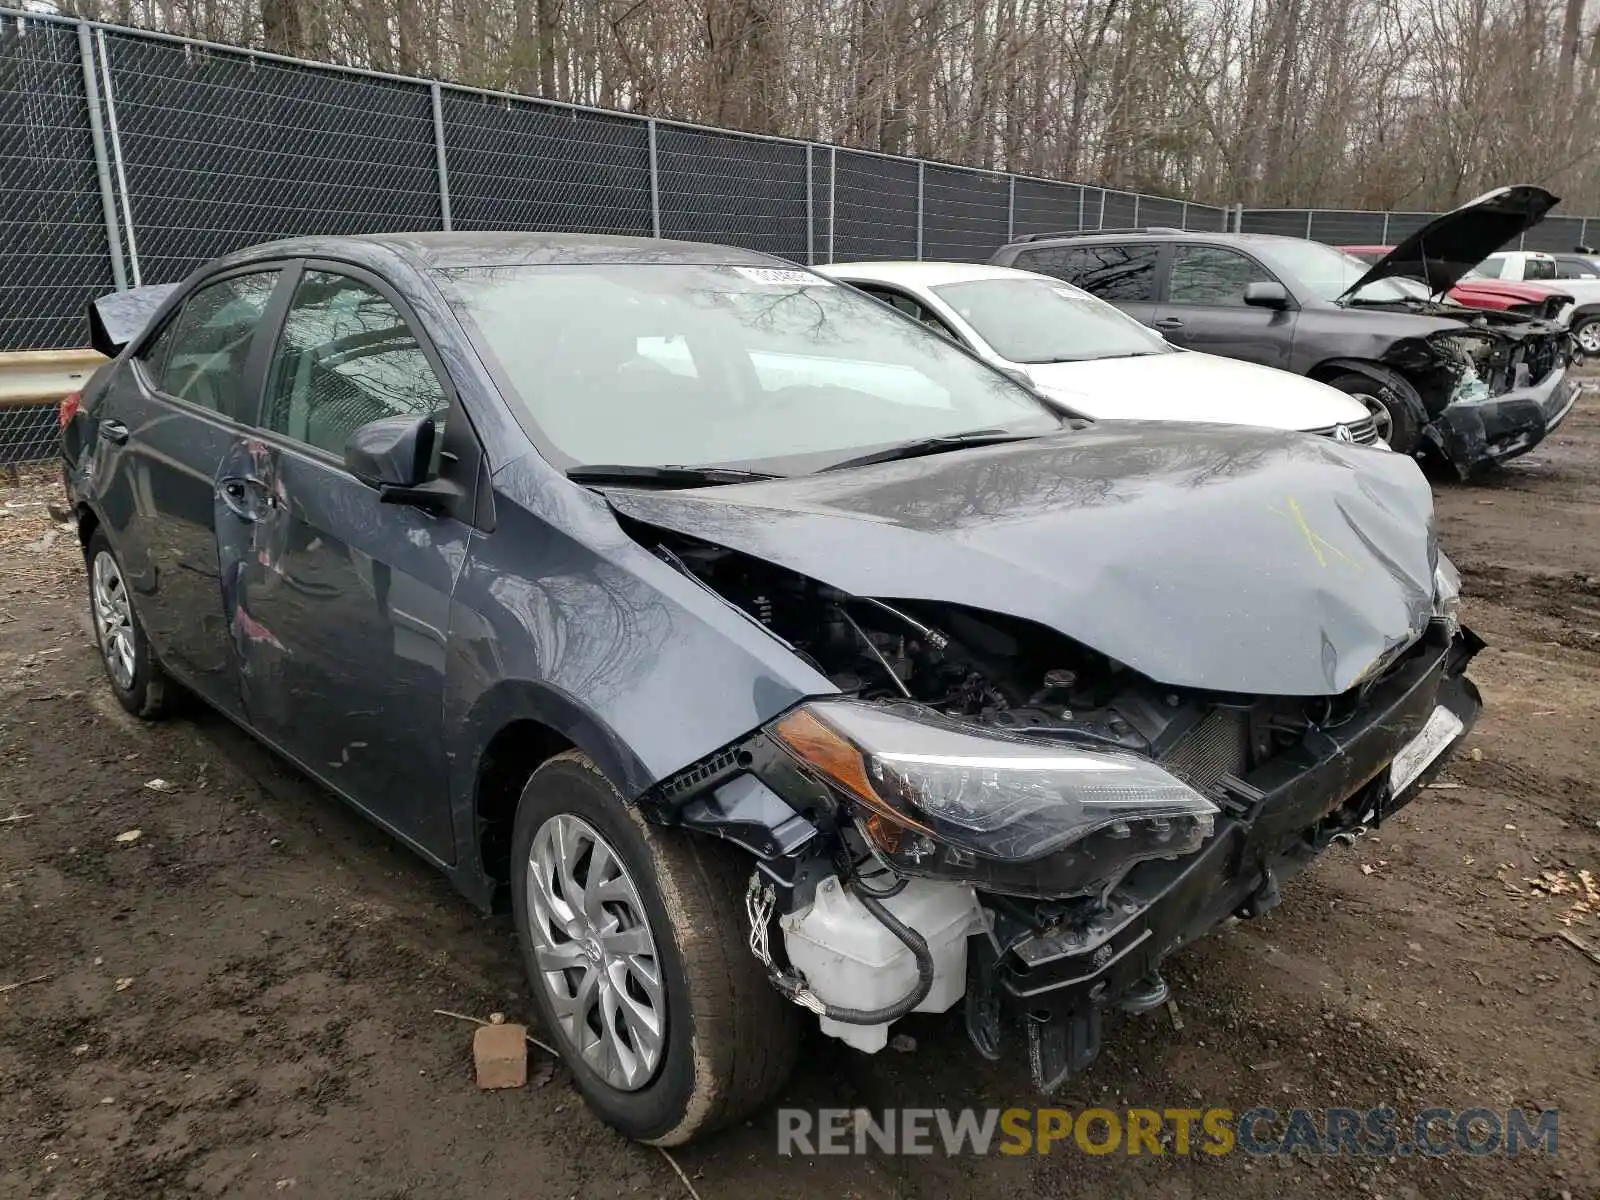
pixel 391 452
pixel 1266 295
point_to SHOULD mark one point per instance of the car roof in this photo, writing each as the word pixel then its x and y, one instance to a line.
pixel 1218 236
pixel 445 251
pixel 922 274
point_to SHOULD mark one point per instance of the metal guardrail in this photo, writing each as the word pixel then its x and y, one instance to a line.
pixel 32 385
pixel 29 378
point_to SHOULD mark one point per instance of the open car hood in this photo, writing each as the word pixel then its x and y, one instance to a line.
pixel 1216 557
pixel 1451 244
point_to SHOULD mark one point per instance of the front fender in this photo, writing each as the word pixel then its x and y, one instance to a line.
pixel 1386 377
pixel 512 700
pixel 560 617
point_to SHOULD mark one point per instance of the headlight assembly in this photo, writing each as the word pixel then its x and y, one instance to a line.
pixel 1447 595
pixel 938 797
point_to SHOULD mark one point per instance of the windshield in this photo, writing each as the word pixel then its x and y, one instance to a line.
pixel 1325 272
pixel 1042 321
pixel 649 365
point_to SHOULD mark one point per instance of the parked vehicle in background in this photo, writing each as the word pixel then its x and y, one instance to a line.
pixel 1095 358
pixel 1577 265
pixel 1541 300
pixel 769 656
pixel 1536 265
pixel 1474 387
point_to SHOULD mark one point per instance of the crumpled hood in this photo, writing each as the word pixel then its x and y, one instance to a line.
pixel 1212 557
pixel 1451 244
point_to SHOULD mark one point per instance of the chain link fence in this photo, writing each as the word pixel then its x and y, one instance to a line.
pixel 1351 227
pixel 130 158
pixel 53 248
pixel 27 434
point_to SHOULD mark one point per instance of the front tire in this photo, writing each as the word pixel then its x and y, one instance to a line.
pixel 633 938
pixel 137 680
pixel 1395 419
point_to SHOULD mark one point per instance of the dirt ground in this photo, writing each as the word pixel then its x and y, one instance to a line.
pixel 240 1001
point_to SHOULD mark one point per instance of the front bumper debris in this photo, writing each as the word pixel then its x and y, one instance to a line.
pixel 1477 434
pixel 1055 985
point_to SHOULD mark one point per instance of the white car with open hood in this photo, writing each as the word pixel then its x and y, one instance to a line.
pixel 1094 358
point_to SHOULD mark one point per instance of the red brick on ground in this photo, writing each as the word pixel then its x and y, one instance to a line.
pixel 501 1055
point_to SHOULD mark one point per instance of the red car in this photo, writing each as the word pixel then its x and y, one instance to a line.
pixel 1527 299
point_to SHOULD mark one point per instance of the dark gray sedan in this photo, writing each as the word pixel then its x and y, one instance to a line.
pixel 764 653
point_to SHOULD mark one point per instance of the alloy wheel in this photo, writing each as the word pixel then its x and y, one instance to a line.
pixel 1589 337
pixel 113 619
pixel 596 953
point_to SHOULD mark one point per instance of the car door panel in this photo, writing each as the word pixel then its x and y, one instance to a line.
pixel 338 608
pixel 1203 307
pixel 164 429
pixel 337 602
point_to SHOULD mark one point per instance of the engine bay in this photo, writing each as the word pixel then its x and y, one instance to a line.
pixel 1001 672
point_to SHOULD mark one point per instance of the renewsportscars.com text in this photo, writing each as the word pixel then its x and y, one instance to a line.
pixel 1174 1131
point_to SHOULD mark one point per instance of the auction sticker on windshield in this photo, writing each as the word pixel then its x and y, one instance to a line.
pixel 780 277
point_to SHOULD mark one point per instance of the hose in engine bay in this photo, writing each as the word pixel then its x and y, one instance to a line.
pixel 793 985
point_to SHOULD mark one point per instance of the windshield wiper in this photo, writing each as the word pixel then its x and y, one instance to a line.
pixel 1070 358
pixel 672 476
pixel 933 445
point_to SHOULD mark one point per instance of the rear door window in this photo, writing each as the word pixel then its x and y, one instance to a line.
pixel 911 306
pixel 200 357
pixel 1121 272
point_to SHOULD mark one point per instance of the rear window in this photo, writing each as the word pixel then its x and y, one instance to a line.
pixel 1123 272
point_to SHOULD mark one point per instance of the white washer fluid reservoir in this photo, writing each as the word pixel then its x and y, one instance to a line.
pixel 851 960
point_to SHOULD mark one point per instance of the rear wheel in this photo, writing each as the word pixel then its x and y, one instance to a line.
pixel 633 938
pixel 1394 418
pixel 141 686
pixel 1587 334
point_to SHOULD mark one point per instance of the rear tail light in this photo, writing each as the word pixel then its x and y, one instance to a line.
pixel 69 408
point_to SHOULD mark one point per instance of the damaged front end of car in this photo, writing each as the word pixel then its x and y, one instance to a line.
pixel 1492 384
pixel 1492 389
pixel 989 813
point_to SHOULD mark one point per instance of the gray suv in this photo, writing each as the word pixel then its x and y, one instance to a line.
pixel 1472 386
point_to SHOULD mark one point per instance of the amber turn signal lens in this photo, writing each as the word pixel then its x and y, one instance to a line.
pixel 883 833
pixel 829 753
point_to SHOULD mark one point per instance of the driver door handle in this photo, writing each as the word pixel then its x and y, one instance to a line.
pixel 244 497
pixel 114 431
pixel 1169 323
